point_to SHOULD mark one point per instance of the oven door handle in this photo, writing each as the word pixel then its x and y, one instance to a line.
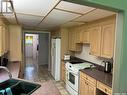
pixel 70 71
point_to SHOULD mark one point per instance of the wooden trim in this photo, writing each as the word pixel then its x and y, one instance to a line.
pixel 84 14
pixel 14 11
pixel 48 13
pixel 78 17
pixel 68 11
pixel 29 14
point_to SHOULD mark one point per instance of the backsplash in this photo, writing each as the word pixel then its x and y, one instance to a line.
pixel 86 56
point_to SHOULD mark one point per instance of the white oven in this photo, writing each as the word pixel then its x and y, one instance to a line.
pixel 72 80
pixel 72 76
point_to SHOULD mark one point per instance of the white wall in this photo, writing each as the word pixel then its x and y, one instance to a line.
pixel 15 43
pixel 86 56
pixel 43 53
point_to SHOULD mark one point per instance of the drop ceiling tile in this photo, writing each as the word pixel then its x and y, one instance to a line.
pixel 57 17
pixel 70 24
pixel 28 20
pixel 74 7
pixel 11 18
pixel 94 15
pixel 35 7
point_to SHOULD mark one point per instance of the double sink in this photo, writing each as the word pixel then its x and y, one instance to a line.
pixel 19 87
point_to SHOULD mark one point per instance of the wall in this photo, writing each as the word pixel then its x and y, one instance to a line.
pixel 15 43
pixel 43 53
pixel 86 56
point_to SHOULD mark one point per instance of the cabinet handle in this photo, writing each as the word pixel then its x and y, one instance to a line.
pixel 105 90
pixel 86 83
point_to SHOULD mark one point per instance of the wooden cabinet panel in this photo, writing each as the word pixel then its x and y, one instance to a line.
pixel 95 40
pixel 86 85
pixel 0 40
pixel 92 90
pixel 83 37
pixel 104 88
pixel 4 40
pixel 86 37
pixel 73 46
pixel 107 45
pixel 84 88
pixel 63 72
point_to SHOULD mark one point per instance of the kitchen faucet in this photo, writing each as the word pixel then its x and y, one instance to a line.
pixel 6 69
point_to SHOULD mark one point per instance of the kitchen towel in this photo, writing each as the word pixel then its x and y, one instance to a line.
pixel 8 91
pixel 2 92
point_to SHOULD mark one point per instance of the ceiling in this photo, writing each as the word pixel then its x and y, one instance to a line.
pixel 48 14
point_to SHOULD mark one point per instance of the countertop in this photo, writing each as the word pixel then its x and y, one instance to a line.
pixel 105 78
pixel 14 69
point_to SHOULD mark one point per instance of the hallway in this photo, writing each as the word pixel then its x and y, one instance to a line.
pixel 40 73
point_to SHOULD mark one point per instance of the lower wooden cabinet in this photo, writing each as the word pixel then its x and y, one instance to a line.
pixel 104 88
pixel 63 72
pixel 86 86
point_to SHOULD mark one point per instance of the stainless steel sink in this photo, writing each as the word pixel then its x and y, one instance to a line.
pixel 19 87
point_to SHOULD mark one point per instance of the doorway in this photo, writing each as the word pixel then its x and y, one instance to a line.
pixel 36 55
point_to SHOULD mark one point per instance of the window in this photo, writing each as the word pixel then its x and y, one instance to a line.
pixel 29 40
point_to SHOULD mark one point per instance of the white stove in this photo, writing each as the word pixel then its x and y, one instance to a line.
pixel 72 76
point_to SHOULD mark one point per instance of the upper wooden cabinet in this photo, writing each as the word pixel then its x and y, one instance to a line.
pixel 102 40
pixel 83 36
pixel 102 36
pixel 4 40
pixel 73 46
pixel 95 40
pixel 107 45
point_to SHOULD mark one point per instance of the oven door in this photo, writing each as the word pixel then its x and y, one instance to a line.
pixel 72 80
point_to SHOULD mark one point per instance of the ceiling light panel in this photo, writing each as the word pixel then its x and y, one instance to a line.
pixel 35 7
pixel 28 20
pixel 57 17
pixel 74 7
pixel 94 15
pixel 11 18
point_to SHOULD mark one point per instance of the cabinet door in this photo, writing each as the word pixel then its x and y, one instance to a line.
pixel 92 90
pixel 70 40
pixel 86 37
pixel 107 45
pixel 95 40
pixel 84 88
pixel 3 39
pixel 0 40
pixel 63 72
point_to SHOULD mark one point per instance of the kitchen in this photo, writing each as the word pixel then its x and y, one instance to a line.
pixel 80 44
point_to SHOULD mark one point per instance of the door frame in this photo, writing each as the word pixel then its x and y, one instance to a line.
pixel 34 32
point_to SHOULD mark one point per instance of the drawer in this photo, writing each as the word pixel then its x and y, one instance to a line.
pixel 88 78
pixel 106 89
pixel 91 80
pixel 83 75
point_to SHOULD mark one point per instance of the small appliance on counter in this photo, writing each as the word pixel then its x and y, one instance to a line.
pixel 107 66
pixel 67 57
